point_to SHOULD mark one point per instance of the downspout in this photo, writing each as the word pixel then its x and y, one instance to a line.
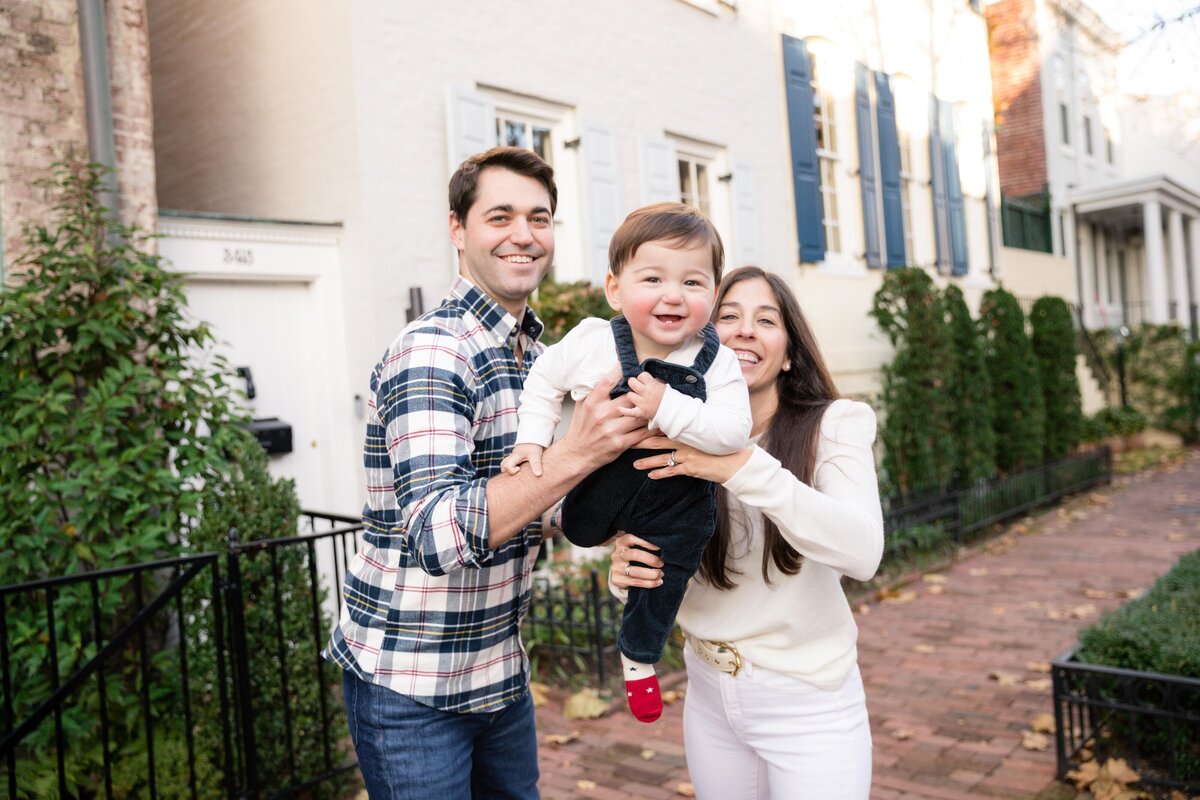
pixel 93 46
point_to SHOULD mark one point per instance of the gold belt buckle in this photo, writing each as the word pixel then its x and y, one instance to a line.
pixel 737 657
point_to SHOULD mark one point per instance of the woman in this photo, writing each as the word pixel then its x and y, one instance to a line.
pixel 775 705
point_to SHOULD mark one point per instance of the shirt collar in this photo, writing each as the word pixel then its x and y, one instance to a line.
pixel 492 316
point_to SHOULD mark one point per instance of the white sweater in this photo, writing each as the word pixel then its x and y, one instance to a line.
pixel 801 624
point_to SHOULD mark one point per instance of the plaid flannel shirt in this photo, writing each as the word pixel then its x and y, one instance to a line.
pixel 430 611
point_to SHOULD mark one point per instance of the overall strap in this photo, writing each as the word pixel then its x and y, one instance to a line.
pixel 708 353
pixel 626 350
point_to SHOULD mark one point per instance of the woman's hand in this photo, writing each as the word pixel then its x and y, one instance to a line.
pixel 689 461
pixel 631 567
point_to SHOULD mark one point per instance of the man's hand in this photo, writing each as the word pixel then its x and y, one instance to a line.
pixel 527 453
pixel 646 394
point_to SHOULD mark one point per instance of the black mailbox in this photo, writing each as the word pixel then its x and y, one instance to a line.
pixel 274 436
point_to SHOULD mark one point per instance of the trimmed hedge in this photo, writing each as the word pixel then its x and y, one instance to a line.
pixel 968 383
pixel 1020 418
pixel 1158 632
pixel 1053 342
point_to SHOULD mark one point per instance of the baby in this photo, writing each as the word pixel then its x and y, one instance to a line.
pixel 665 264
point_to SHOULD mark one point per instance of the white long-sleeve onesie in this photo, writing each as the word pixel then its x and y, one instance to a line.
pixel 719 425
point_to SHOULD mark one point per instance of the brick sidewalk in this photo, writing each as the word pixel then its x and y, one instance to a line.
pixel 942 727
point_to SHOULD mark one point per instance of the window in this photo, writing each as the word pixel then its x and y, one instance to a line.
pixel 826 129
pixel 514 131
pixel 1087 134
pixel 1064 122
pixel 1108 147
pixel 694 190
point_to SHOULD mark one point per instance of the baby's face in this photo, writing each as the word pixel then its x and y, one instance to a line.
pixel 666 293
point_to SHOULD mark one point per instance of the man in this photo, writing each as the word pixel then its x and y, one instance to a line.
pixel 435 677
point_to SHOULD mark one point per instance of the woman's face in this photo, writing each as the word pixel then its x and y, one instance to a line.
pixel 750 323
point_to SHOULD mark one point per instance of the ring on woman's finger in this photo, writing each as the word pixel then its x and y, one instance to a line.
pixel 627 568
pixel 671 459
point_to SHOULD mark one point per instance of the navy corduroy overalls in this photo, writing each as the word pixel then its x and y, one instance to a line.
pixel 677 514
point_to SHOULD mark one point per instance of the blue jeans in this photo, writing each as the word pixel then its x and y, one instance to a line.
pixel 410 751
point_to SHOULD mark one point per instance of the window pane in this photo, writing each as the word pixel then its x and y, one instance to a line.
pixel 685 182
pixel 541 142
pixel 1064 122
pixel 514 134
pixel 702 188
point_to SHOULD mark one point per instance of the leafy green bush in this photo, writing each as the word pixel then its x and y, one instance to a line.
pixel 1020 412
pixel 907 545
pixel 1160 375
pixel 1158 632
pixel 1116 421
pixel 561 306
pixel 968 384
pixel 1053 343
pixel 109 425
pixel 918 412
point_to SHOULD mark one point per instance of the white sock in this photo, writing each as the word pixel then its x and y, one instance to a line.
pixel 635 670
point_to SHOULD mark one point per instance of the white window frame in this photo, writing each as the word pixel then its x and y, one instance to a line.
pixel 828 159
pixel 715 159
pixel 907 179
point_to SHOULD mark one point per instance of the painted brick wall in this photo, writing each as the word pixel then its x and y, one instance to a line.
pixel 1017 94
pixel 42 115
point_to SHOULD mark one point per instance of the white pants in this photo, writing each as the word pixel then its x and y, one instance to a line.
pixel 766 735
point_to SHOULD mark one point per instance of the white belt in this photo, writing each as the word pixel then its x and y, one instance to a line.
pixel 720 655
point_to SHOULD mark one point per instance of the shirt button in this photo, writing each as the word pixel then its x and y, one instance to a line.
pixel 690 378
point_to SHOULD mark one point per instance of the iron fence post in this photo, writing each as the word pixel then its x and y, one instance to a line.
pixel 241 666
pixel 597 632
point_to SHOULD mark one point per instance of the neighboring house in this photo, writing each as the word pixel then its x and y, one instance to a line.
pixel 65 84
pixel 828 141
pixel 1117 175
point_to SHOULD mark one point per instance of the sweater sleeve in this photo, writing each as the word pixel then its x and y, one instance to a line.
pixel 838 521
pixel 719 425
pixel 549 380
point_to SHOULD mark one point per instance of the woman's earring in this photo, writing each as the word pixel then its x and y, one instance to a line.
pixel 787 365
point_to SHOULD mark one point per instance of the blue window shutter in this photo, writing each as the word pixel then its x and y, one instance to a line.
pixel 866 165
pixel 954 195
pixel 806 179
pixel 889 171
pixel 937 183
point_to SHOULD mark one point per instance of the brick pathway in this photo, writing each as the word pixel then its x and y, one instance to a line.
pixel 943 728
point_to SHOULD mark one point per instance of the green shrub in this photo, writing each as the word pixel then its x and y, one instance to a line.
pixel 1020 414
pixel 1053 342
pixel 969 385
pixel 907 545
pixel 109 425
pixel 917 429
pixel 1116 421
pixel 561 306
pixel 1160 375
pixel 1158 632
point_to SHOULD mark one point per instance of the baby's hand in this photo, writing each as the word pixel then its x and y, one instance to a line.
pixel 521 454
pixel 646 394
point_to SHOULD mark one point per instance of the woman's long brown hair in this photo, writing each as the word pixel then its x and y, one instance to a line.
pixel 805 391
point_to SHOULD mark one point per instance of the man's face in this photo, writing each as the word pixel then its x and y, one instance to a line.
pixel 506 243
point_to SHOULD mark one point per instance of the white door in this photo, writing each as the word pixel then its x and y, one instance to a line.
pixel 273 328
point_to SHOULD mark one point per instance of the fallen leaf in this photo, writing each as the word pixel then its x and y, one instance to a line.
pixel 559 739
pixel 1119 771
pixel 1131 594
pixel 671 696
pixel 1038 684
pixel 685 790
pixel 584 704
pixel 1004 678
pixel 1095 594
pixel 977 572
pixel 1176 537
pixel 903 734
pixel 539 692
pixel 924 648
pixel 863 609
pixel 936 589
pixel 647 754
pixel 999 611
pixel 1097 499
pixel 1020 529
pixel 1086 775
pixel 1038 666
pixel 934 578
pixel 585 785
pixel 897 598
pixel 1083 611
pixel 1034 741
pixel 1043 723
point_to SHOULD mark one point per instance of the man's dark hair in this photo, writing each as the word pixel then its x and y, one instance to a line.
pixel 464 182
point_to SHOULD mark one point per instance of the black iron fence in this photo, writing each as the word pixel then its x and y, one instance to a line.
pixel 1149 719
pixel 963 512
pixel 196 676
